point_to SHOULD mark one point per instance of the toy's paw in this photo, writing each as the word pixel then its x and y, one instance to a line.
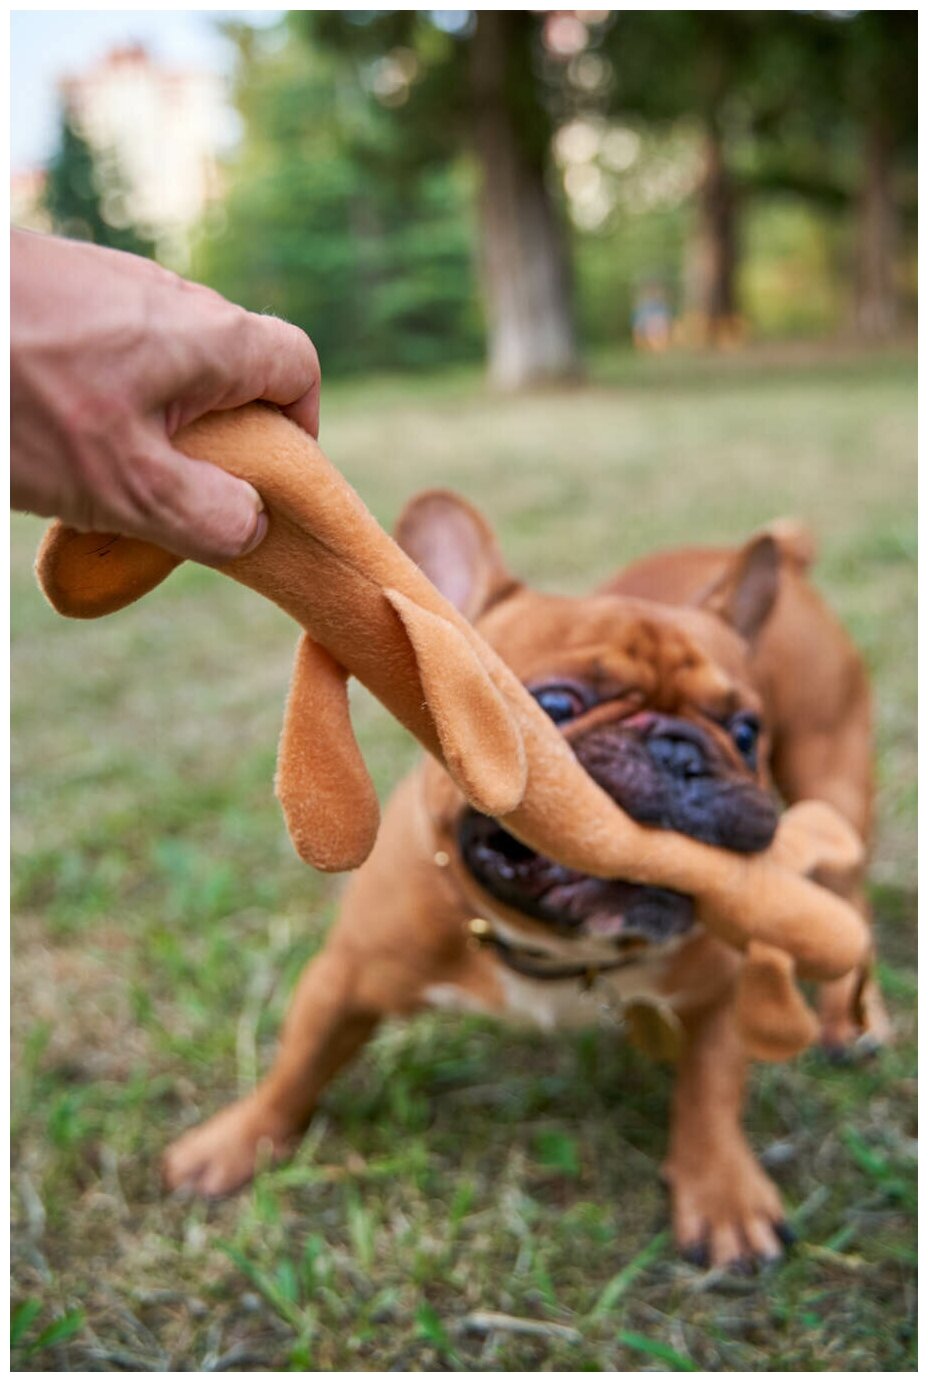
pixel 726 1212
pixel 221 1155
pixel 774 1020
pixel 813 836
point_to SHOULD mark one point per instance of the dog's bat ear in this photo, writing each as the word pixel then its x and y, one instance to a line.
pixel 456 548
pixel 795 540
pixel 480 738
pixel 85 575
pixel 746 591
pixel 322 784
pixel 774 1020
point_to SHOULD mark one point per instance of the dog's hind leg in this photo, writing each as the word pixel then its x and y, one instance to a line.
pixel 324 1028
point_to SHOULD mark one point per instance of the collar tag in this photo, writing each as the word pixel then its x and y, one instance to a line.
pixel 654 1029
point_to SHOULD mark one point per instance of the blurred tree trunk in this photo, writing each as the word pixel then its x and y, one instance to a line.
pixel 714 253
pixel 876 306
pixel 525 268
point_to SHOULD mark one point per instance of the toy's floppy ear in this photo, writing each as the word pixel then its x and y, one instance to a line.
pixel 327 796
pixel 812 838
pixel 772 1014
pixel 480 737
pixel 454 545
pixel 775 1022
pixel 85 575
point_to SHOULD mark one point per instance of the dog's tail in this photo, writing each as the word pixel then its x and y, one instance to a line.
pixel 795 540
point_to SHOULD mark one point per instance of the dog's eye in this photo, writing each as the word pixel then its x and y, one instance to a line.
pixel 745 733
pixel 560 702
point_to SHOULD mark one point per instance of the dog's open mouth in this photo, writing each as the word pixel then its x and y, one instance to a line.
pixel 571 902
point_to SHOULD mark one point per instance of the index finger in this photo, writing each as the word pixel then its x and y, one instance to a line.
pixel 288 364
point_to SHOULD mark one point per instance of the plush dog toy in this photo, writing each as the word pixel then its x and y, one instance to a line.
pixel 367 611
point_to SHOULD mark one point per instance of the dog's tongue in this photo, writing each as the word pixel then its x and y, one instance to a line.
pixel 647 915
pixel 619 911
pixel 606 924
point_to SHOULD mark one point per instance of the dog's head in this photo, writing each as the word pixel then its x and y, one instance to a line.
pixel 656 701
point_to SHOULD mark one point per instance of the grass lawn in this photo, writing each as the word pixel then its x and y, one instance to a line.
pixel 459 1168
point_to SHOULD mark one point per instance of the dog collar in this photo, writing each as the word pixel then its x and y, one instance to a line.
pixel 533 963
pixel 650 1025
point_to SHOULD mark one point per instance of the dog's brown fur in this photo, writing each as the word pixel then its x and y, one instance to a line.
pixel 368 612
pixel 402 943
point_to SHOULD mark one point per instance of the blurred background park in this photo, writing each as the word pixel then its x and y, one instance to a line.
pixel 425 188
pixel 626 279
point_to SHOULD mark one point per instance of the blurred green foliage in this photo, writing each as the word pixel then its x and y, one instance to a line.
pixel 324 225
pixel 85 197
pixel 352 203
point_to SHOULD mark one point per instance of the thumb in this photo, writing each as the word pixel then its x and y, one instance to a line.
pixel 197 510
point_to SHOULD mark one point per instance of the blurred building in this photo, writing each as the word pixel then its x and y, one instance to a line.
pixel 26 209
pixel 161 129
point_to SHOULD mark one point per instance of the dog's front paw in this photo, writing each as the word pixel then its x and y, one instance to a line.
pixel 726 1211
pixel 221 1155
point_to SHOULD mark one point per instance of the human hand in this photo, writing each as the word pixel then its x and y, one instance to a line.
pixel 110 356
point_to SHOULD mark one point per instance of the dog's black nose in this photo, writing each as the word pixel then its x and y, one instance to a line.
pixel 676 754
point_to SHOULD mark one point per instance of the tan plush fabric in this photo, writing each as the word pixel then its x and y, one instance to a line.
pixel 324 788
pixel 369 612
pixel 772 1014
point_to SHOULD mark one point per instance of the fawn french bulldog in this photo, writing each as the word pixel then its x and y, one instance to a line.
pixel 451 911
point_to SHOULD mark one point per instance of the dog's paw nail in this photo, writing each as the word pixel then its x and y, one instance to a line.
pixel 786 1235
pixel 836 1053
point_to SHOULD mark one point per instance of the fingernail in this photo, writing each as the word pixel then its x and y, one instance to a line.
pixel 260 533
pixel 256 498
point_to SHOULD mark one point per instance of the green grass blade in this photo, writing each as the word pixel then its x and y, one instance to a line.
pixel 655 1349
pixel 21 1320
pixel 58 1331
pixel 430 1327
pixel 615 1289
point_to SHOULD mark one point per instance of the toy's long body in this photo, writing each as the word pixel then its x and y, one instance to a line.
pixel 370 612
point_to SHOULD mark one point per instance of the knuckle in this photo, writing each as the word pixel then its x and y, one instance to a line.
pixel 304 344
pixel 294 340
pixel 315 365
